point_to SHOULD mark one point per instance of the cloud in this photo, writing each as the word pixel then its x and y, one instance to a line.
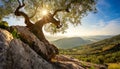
pixel 101 23
pixel 101 28
pixel 15 21
pixel 103 3
pixel 103 7
pixel 113 27
pixel 107 28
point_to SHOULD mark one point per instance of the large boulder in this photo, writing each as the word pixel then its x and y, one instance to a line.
pixel 15 54
pixel 47 50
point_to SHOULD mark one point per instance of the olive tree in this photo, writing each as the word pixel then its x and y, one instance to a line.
pixel 54 15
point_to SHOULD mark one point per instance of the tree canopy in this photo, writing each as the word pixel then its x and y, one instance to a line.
pixel 67 11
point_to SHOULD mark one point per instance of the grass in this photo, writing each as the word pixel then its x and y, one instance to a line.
pixel 114 66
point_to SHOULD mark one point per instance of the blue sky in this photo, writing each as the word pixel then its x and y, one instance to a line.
pixel 105 22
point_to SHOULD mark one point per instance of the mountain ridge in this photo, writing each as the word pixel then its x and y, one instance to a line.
pixel 70 42
pixel 107 50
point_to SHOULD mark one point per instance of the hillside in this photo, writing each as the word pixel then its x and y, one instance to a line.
pixel 102 46
pixel 107 50
pixel 21 49
pixel 66 43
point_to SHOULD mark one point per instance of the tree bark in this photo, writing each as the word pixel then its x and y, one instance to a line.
pixel 36 28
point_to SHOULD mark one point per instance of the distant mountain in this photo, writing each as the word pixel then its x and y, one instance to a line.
pixel 101 46
pixel 54 38
pixel 97 37
pixel 107 50
pixel 66 43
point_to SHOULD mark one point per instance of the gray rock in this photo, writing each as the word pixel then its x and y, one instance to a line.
pixel 15 54
pixel 23 57
pixel 47 50
pixel 5 38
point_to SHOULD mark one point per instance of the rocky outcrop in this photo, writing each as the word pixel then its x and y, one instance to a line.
pixel 47 50
pixel 5 39
pixel 16 54
pixel 67 62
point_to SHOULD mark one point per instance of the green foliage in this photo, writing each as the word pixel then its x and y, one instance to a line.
pixel 77 10
pixel 83 64
pixel 15 34
pixel 92 67
pixel 7 7
pixel 4 25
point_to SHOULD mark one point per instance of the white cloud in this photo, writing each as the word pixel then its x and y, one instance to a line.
pixel 101 28
pixel 101 23
pixel 106 28
pixel 12 20
pixel 113 27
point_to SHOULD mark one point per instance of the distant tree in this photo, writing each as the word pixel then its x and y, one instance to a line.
pixel 56 14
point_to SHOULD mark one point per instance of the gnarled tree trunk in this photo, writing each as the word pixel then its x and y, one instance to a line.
pixel 36 28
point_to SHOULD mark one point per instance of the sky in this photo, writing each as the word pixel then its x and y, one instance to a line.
pixel 105 22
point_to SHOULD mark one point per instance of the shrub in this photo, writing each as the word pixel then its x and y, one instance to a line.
pixel 15 34
pixel 4 25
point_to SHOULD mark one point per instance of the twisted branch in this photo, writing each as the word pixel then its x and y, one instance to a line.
pixel 20 13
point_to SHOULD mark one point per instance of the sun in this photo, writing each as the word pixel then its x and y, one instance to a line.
pixel 44 12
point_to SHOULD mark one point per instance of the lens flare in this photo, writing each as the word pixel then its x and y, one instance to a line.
pixel 44 12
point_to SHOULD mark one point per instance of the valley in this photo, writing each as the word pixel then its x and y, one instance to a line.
pixel 101 52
